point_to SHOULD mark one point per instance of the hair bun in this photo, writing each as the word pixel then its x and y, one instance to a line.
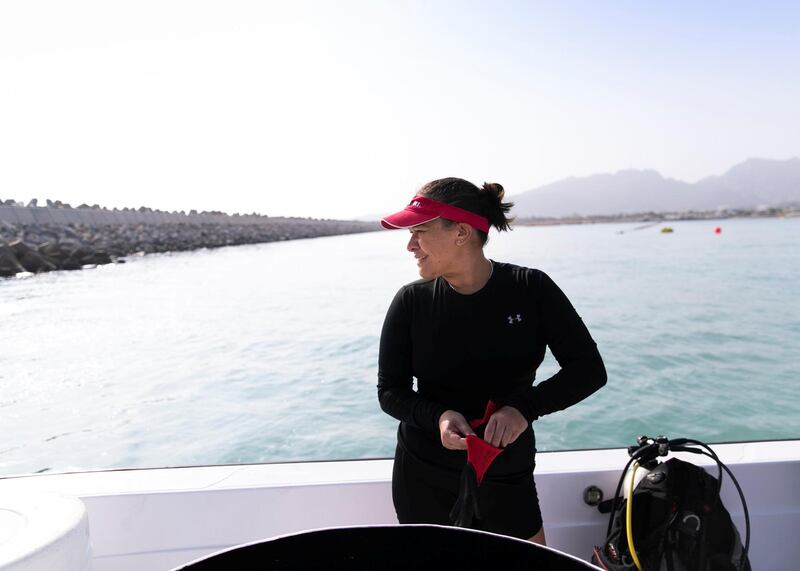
pixel 495 189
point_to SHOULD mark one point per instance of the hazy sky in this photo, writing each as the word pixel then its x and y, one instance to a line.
pixel 342 108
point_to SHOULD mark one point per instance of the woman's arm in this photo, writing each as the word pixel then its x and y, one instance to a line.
pixel 582 370
pixel 395 380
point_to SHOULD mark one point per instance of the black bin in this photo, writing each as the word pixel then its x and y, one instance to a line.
pixel 390 548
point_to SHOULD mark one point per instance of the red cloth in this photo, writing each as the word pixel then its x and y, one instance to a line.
pixel 481 454
pixel 491 408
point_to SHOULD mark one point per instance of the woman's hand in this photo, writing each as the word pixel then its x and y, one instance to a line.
pixel 453 429
pixel 504 427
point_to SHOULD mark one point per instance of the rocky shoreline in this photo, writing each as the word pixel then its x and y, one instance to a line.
pixel 33 246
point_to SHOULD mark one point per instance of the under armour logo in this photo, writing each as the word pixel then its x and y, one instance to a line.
pixel 517 318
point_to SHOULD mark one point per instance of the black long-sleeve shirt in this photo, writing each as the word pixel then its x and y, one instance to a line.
pixel 465 350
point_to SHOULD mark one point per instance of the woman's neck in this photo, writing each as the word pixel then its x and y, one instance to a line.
pixel 471 277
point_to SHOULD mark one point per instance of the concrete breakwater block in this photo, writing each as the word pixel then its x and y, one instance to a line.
pixel 20 256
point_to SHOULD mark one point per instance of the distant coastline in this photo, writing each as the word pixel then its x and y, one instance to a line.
pixel 36 239
pixel 785 212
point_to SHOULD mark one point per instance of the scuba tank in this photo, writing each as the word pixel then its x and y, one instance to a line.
pixel 637 476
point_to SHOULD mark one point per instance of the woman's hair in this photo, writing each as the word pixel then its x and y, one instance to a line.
pixel 486 201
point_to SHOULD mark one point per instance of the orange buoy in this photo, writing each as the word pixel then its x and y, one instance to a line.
pixel 717 230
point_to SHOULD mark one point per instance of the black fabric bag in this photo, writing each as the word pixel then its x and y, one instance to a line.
pixel 678 523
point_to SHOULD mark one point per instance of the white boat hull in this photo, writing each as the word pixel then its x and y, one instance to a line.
pixel 162 518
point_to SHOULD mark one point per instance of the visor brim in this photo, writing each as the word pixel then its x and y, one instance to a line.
pixel 406 219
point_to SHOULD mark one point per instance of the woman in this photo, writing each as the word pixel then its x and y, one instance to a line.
pixel 473 331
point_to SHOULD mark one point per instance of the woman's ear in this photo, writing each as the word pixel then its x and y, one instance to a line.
pixel 464 233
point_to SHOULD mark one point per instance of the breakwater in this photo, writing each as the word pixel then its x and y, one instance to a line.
pixel 38 239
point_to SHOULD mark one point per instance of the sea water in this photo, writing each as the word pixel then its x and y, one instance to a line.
pixel 268 352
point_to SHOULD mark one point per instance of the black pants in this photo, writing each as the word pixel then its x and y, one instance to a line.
pixel 425 493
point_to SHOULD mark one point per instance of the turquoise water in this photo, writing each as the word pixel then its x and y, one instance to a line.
pixel 268 352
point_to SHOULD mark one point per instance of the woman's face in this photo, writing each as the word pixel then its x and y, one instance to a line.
pixel 434 246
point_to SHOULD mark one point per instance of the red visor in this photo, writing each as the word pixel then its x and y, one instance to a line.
pixel 481 454
pixel 422 210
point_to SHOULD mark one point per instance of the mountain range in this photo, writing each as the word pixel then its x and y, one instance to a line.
pixel 754 183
